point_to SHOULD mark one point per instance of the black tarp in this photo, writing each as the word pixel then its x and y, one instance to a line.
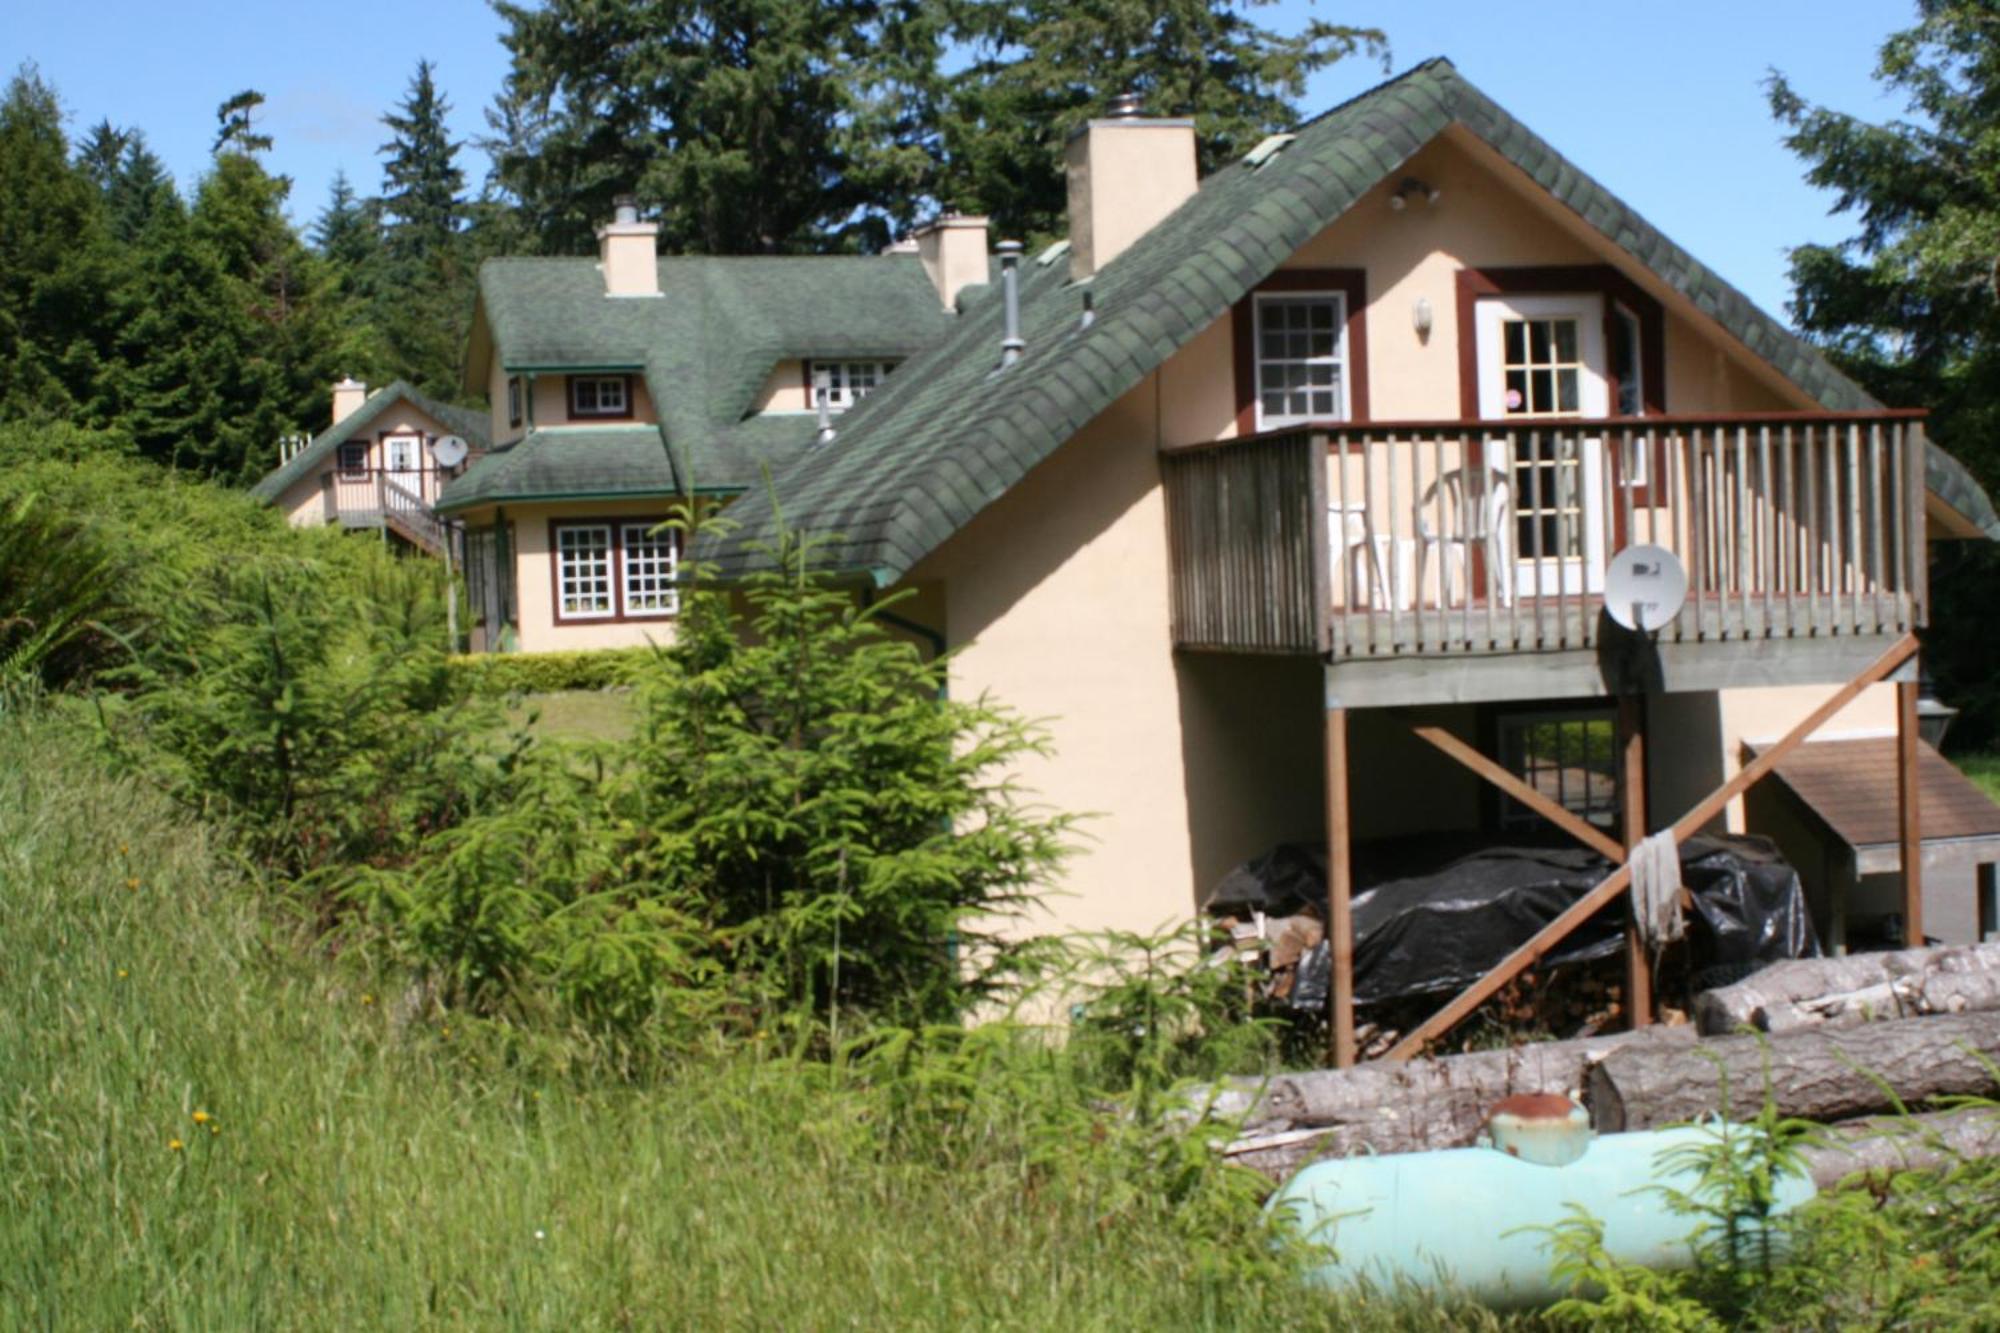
pixel 1441 930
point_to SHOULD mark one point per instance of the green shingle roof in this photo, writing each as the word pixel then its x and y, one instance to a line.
pixel 706 345
pixel 466 421
pixel 950 434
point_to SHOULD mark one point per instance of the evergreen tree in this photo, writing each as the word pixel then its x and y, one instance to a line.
pixel 236 124
pixel 139 190
pixel 747 125
pixel 1910 306
pixel 101 152
pixel 57 276
pixel 424 202
pixel 1041 68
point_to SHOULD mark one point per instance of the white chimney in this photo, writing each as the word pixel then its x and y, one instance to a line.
pixel 628 252
pixel 348 396
pixel 1126 172
pixel 953 250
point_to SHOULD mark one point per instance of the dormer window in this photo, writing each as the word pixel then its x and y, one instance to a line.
pixel 513 400
pixel 845 383
pixel 600 395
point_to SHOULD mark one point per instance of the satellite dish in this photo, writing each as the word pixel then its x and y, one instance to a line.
pixel 1645 587
pixel 448 451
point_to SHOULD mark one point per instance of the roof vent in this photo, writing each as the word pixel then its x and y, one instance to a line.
pixel 823 402
pixel 1011 345
pixel 1127 106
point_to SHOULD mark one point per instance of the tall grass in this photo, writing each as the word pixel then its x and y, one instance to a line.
pixel 357 1172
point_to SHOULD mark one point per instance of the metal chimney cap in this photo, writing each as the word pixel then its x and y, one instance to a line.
pixel 625 208
pixel 1127 105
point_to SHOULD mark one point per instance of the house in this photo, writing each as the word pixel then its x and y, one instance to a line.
pixel 1290 497
pixel 375 466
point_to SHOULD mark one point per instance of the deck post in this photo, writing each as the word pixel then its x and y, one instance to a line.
pixel 1632 826
pixel 1911 819
pixel 1339 891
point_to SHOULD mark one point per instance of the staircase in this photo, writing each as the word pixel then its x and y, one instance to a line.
pixel 405 514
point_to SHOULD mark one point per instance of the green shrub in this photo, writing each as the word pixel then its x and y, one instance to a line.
pixel 499 674
pixel 60 605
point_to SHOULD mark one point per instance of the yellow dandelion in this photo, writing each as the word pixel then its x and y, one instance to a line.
pixel 124 849
pixel 215 1129
pixel 132 883
pixel 175 1145
pixel 447 1032
pixel 202 1117
pixel 122 974
pixel 367 999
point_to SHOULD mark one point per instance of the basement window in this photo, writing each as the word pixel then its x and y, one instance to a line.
pixel 1301 358
pixel 1569 757
pixel 846 383
pixel 600 395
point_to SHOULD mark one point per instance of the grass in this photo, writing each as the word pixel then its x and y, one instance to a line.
pixel 359 1171
pixel 598 715
pixel 1983 769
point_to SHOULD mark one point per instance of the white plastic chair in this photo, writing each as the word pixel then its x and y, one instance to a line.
pixel 1355 554
pixel 1473 514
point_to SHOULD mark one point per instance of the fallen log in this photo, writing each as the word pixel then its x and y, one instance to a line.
pixel 1814 1073
pixel 1292 1119
pixel 1780 989
pixel 1903 1143
pixel 1905 997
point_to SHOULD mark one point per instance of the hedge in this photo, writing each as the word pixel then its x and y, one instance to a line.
pixel 546 673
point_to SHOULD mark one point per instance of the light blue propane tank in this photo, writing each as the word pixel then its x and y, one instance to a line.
pixel 1466 1217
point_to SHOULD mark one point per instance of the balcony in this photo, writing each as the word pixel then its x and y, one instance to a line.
pixel 1417 542
pixel 399 500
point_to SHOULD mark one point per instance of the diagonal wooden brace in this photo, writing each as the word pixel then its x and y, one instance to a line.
pixel 1568 822
pixel 1549 936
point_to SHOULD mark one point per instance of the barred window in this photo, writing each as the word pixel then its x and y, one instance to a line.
pixel 1569 757
pixel 846 383
pixel 583 572
pixel 599 396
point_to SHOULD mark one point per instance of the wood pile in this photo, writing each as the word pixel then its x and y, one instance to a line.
pixel 1837 1068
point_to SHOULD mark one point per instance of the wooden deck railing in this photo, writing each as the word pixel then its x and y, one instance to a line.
pixel 1492 536
pixel 358 498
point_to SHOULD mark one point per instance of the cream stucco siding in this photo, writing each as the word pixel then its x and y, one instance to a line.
pixel 539 631
pixel 784 389
pixel 551 402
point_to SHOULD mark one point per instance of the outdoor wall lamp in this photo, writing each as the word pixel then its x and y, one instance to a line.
pixel 1420 318
pixel 1410 185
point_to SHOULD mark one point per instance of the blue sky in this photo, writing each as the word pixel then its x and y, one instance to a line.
pixel 1660 101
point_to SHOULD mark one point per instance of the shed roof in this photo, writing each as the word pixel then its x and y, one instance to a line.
pixel 914 464
pixel 1850 786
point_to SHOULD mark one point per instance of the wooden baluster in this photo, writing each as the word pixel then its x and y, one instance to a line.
pixel 1813 451
pixel 1851 561
pixel 1745 521
pixel 1874 488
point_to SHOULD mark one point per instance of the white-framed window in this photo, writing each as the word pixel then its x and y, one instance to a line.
pixel 600 396
pixel 1301 340
pixel 1628 375
pixel 846 383
pixel 1571 757
pixel 648 560
pixel 513 400
pixel 583 572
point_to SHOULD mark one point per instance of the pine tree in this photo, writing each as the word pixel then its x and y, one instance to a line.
pixel 1041 68
pixel 747 125
pixel 236 124
pixel 57 276
pixel 1910 305
pixel 139 190
pixel 424 199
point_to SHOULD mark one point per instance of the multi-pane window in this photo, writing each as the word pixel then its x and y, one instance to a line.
pixel 1301 358
pixel 648 561
pixel 354 459
pixel 1628 375
pixel 845 383
pixel 1543 364
pixel 583 572
pixel 599 396
pixel 617 569
pixel 1568 757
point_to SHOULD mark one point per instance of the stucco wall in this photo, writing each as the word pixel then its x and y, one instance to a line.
pixel 551 403
pixel 303 503
pixel 1055 598
pixel 535 581
pixel 784 390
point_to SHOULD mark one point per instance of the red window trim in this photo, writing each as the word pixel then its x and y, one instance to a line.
pixel 340 464
pixel 617 523
pixel 1573 280
pixel 1352 284
pixel 576 414
pixel 806 365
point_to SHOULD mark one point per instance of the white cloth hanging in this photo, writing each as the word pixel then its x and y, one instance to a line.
pixel 1656 890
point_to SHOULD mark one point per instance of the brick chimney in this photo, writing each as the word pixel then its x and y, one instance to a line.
pixel 953 250
pixel 1126 172
pixel 628 251
pixel 348 396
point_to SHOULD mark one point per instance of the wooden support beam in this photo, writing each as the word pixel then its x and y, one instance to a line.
pixel 1632 825
pixel 1585 833
pixel 1910 816
pixel 1339 893
pixel 1580 911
